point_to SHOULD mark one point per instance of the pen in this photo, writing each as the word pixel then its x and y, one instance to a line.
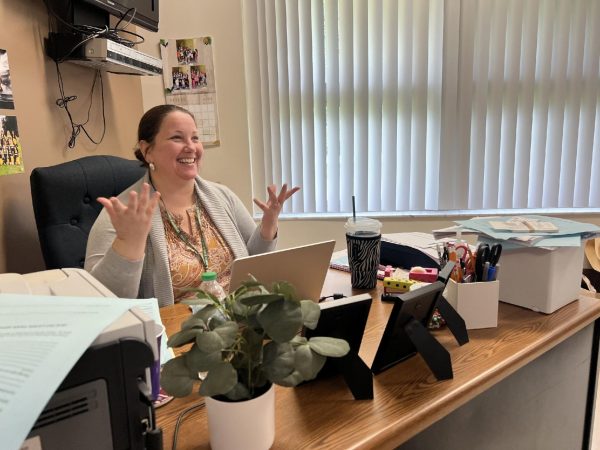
pixel 486 269
pixel 497 271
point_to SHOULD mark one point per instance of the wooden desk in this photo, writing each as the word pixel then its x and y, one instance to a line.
pixel 408 399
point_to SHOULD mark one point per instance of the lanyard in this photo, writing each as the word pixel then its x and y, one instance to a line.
pixel 203 257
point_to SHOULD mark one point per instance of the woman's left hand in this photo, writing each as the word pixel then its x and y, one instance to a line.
pixel 272 208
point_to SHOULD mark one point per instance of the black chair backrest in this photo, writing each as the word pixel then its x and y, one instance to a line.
pixel 65 207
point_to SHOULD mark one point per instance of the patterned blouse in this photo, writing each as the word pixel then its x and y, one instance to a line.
pixel 186 268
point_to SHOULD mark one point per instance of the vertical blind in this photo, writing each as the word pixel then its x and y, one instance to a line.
pixel 425 105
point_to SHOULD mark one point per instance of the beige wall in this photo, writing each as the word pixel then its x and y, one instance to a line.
pixel 44 132
pixel 43 126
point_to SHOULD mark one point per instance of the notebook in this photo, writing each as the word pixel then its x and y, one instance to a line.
pixel 305 267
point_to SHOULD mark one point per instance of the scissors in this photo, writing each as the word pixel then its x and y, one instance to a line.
pixel 495 252
pixel 481 257
pixel 486 255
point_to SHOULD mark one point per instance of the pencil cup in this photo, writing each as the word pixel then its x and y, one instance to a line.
pixel 477 303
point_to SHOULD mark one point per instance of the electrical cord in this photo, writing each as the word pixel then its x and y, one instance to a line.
pixel 90 32
pixel 63 102
pixel 180 418
pixel 87 33
pixel 335 296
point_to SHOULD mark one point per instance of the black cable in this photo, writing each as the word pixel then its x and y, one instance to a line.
pixel 180 417
pixel 125 15
pixel 90 32
pixel 335 296
pixel 63 102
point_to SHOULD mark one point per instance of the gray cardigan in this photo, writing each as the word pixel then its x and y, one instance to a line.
pixel 151 277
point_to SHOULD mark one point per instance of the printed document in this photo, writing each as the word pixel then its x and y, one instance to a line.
pixel 41 338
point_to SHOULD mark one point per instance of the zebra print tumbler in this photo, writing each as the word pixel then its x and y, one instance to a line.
pixel 363 239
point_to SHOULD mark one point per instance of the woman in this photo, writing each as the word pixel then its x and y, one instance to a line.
pixel 137 249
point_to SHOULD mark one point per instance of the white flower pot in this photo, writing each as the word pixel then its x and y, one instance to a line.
pixel 248 425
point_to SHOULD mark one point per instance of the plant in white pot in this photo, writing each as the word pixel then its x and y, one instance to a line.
pixel 245 344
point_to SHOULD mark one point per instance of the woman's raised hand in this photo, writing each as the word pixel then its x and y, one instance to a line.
pixel 132 222
pixel 272 208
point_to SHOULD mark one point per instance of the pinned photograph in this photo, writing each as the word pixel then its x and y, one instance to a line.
pixel 11 153
pixel 189 82
pixel 181 78
pixel 6 96
pixel 187 53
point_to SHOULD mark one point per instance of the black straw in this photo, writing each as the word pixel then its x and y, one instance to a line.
pixel 353 208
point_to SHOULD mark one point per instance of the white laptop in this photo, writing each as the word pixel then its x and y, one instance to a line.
pixel 305 267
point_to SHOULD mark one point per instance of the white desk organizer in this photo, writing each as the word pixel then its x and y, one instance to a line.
pixel 477 303
pixel 541 280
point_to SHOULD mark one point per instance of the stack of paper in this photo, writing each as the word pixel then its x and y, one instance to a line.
pixel 526 231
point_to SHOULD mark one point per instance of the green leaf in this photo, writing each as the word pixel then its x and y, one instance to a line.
pixel 328 346
pixel 298 340
pixel 281 319
pixel 198 301
pixel 206 313
pixel 243 311
pixel 293 379
pixel 209 342
pixel 199 361
pixel 286 289
pixel 220 380
pixel 228 332
pixel 260 299
pixel 278 360
pixel 252 344
pixel 216 320
pixel 175 378
pixel 193 322
pixel 310 313
pixel 249 286
pixel 307 362
pixel 239 392
pixel 183 337
pixel 203 295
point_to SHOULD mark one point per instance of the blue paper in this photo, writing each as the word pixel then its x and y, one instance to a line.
pixel 569 234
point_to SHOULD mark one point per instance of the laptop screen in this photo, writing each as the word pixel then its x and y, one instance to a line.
pixel 304 267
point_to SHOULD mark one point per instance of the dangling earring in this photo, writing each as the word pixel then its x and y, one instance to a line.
pixel 152 166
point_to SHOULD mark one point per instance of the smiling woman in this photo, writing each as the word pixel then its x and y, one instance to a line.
pixel 157 237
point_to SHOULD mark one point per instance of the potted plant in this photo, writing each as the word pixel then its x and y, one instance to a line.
pixel 244 345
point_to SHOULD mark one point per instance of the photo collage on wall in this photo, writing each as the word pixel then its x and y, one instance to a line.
pixel 11 152
pixel 189 80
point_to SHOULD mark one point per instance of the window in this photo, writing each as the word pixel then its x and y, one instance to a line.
pixel 425 105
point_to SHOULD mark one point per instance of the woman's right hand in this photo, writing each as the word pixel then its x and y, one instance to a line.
pixel 132 222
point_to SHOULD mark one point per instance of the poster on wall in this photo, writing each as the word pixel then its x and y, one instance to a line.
pixel 189 80
pixel 11 153
pixel 6 96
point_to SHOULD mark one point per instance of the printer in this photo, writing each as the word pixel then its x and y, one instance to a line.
pixel 105 400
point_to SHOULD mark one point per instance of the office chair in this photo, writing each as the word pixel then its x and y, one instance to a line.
pixel 65 206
